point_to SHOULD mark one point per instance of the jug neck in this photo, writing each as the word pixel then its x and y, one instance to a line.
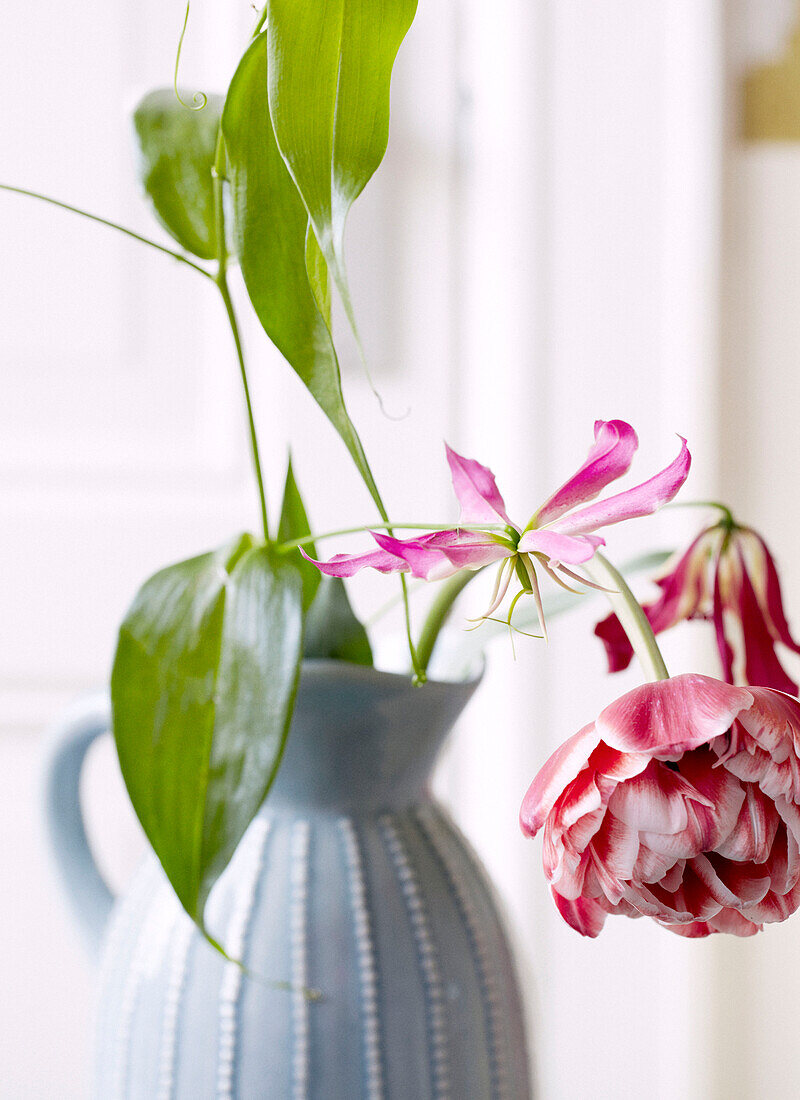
pixel 363 740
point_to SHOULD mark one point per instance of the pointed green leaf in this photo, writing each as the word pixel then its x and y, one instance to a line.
pixel 330 67
pixel 294 525
pixel 202 692
pixel 176 152
pixel 270 226
pixel 332 629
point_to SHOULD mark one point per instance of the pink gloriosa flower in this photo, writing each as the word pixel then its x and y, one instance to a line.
pixel 560 534
pixel 680 803
pixel 728 577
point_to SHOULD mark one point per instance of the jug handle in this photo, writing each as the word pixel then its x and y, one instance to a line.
pixel 70 740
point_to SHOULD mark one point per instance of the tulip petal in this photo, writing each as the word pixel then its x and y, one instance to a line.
pixel 476 490
pixel 782 865
pixel 695 931
pixel 674 876
pixel 652 867
pixel 578 836
pixel 580 797
pixel 610 764
pixel 770 741
pixel 583 914
pixel 641 500
pixel 776 907
pixel 733 885
pixel 790 815
pixel 671 716
pixel 733 923
pixel 657 903
pixel 569 873
pixel 655 800
pixel 694 896
pixel 567 548
pixel 609 457
pixel 753 834
pixel 561 768
pixel 615 848
pixel 708 827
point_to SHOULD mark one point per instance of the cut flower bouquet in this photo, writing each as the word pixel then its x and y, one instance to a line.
pixel 681 800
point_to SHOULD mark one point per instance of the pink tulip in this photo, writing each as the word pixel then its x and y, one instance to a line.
pixel 727 576
pixel 561 532
pixel 680 803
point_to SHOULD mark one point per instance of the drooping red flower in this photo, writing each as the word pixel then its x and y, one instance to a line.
pixel 728 577
pixel 680 803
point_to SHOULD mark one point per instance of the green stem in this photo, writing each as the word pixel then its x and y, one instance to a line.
pixel 104 221
pixel 222 284
pixel 417 666
pixel 439 612
pixel 226 298
pixel 199 99
pixel 631 616
pixel 389 525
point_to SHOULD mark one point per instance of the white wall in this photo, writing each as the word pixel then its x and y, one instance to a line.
pixel 760 398
pixel 120 449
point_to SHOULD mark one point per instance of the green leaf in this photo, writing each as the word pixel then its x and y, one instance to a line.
pixel 330 67
pixel 177 146
pixel 331 628
pixel 202 693
pixel 293 525
pixel 270 227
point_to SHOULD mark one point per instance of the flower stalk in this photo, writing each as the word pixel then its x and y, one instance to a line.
pixel 631 616
pixel 179 256
pixel 222 285
pixel 439 612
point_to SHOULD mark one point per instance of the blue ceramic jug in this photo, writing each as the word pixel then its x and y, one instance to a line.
pixel 375 962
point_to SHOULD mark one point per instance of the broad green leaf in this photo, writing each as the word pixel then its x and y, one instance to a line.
pixel 330 67
pixel 202 692
pixel 331 628
pixel 270 226
pixel 177 147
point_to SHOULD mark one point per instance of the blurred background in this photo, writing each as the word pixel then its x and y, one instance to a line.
pixel 586 210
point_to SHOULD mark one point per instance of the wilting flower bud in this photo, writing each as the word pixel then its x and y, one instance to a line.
pixel 680 803
pixel 727 576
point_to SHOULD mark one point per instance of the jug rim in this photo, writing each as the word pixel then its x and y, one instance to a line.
pixel 321 669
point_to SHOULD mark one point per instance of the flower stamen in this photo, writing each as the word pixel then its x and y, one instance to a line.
pixel 537 596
